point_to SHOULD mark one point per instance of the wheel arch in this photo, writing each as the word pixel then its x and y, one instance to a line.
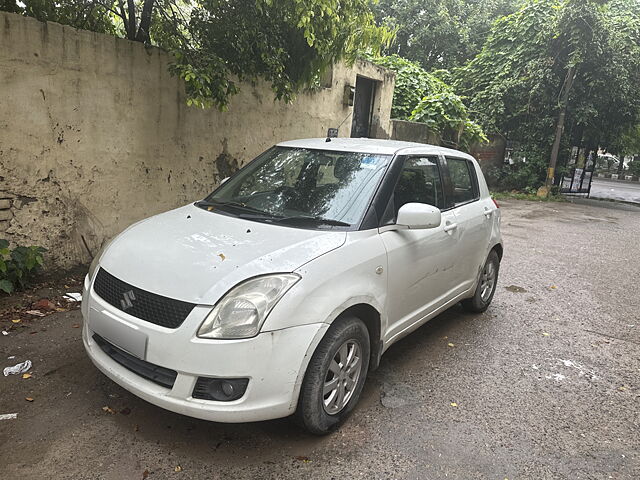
pixel 372 320
pixel 499 249
pixel 361 308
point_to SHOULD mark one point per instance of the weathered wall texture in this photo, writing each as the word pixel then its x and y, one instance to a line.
pixel 413 132
pixel 95 134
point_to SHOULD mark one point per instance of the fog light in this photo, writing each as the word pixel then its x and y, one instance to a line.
pixel 220 389
pixel 227 388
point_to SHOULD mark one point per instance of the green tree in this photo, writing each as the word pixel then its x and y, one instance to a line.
pixel 586 49
pixel 440 33
pixel 87 14
pixel 423 97
pixel 215 43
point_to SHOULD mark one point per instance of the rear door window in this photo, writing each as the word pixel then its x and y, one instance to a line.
pixel 464 184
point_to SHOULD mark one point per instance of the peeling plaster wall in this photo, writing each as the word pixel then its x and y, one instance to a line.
pixel 95 134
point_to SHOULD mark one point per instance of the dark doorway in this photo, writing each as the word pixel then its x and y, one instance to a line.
pixel 363 107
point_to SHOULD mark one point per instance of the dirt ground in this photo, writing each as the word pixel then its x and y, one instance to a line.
pixel 546 384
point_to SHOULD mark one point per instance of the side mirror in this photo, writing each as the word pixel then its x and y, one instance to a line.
pixel 224 180
pixel 415 216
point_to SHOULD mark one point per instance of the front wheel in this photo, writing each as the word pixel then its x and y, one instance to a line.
pixel 335 376
pixel 486 285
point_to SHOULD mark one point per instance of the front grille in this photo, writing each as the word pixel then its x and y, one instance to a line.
pixel 148 306
pixel 160 375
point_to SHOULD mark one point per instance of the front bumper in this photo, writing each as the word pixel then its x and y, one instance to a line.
pixel 274 362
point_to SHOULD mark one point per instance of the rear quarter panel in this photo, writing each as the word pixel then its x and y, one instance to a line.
pixel 495 236
pixel 485 196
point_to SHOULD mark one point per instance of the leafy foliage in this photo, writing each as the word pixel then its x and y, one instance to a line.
pixel 412 84
pixel 522 176
pixel 18 265
pixel 440 33
pixel 88 14
pixel 446 114
pixel 423 97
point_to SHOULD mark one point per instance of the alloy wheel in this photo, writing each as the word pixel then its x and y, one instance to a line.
pixel 342 377
pixel 487 281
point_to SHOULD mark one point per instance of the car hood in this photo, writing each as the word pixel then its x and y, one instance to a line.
pixel 196 256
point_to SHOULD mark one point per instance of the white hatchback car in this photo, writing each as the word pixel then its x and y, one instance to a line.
pixel 277 293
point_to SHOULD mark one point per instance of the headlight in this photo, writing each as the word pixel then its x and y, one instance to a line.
pixel 95 262
pixel 243 310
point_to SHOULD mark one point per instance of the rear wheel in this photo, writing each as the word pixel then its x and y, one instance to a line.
pixel 335 376
pixel 486 285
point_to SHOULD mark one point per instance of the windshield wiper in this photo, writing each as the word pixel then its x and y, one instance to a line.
pixel 238 205
pixel 312 220
pixel 260 214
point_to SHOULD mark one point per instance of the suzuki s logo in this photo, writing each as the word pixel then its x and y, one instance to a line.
pixel 127 299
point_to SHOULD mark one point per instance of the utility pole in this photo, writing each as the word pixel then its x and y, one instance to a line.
pixel 564 100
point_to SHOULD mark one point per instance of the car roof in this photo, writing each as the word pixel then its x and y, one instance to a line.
pixel 373 146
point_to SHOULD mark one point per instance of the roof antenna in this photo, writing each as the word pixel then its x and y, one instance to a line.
pixel 333 132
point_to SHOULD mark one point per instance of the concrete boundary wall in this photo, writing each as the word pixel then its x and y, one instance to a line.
pixel 95 133
pixel 413 132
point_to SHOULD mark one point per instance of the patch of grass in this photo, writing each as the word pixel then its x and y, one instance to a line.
pixel 532 197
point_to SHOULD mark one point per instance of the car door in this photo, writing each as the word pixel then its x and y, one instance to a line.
pixel 473 219
pixel 421 263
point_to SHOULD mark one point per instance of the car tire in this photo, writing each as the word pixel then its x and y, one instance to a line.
pixel 322 409
pixel 486 285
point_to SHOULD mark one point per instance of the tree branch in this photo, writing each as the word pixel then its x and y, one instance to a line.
pixel 110 9
pixel 131 26
pixel 171 18
pixel 145 21
pixel 123 15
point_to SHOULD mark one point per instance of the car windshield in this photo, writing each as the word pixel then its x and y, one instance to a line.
pixel 302 187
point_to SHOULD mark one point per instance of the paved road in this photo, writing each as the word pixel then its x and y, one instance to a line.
pixel 615 190
pixel 546 384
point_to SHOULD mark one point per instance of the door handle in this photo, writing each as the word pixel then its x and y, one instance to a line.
pixel 450 226
pixel 488 212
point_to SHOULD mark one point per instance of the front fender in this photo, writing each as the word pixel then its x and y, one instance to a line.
pixel 352 274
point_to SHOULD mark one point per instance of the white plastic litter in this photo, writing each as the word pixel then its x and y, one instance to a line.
pixel 17 369
pixel 8 416
pixel 11 357
pixel 73 297
pixel 4 332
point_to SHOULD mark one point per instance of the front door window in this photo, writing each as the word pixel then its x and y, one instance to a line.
pixel 419 182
